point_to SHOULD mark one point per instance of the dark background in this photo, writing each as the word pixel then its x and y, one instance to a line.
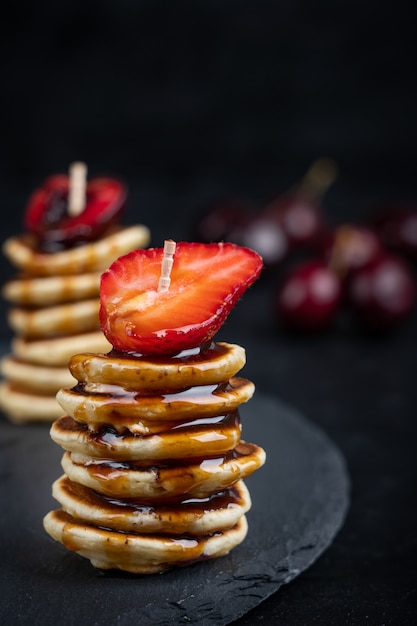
pixel 192 101
pixel 191 98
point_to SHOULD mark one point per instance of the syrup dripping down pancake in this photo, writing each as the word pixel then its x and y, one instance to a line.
pixel 129 479
pixel 197 516
pixel 140 554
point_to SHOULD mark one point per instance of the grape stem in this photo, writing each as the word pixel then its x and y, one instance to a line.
pixel 319 177
pixel 166 266
pixel 77 188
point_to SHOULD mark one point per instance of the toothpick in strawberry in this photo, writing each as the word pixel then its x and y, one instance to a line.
pixel 206 281
pixel 68 210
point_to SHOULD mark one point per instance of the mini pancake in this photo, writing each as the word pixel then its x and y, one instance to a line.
pixel 210 366
pixel 204 437
pixel 58 350
pixel 98 255
pixel 51 290
pixel 22 406
pixel 163 480
pixel 125 409
pixel 63 319
pixel 135 553
pixel 194 516
pixel 34 377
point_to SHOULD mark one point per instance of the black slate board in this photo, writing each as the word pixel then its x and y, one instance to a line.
pixel 300 498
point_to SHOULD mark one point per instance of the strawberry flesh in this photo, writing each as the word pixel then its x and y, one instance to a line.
pixel 47 216
pixel 207 280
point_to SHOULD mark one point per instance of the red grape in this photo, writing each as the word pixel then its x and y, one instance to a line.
pixel 300 219
pixel 397 227
pixel 264 236
pixel 383 292
pixel 309 296
pixel 216 223
pixel 351 247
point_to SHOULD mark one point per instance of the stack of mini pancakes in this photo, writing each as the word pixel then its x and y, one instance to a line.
pixel 54 314
pixel 154 462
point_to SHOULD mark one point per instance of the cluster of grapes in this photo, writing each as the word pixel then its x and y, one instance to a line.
pixel 367 269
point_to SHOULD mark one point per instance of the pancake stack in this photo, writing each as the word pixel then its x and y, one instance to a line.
pixel 154 464
pixel 54 314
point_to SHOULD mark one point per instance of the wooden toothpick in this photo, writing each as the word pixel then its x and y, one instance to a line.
pixel 166 266
pixel 77 188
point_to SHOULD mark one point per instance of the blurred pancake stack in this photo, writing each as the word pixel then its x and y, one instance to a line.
pixel 54 298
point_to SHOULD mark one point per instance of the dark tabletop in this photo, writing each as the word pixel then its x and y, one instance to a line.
pixel 191 102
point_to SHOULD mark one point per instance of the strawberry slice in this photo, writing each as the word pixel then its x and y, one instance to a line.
pixel 207 280
pixel 47 216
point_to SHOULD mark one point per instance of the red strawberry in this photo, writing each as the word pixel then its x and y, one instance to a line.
pixel 207 280
pixel 47 216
